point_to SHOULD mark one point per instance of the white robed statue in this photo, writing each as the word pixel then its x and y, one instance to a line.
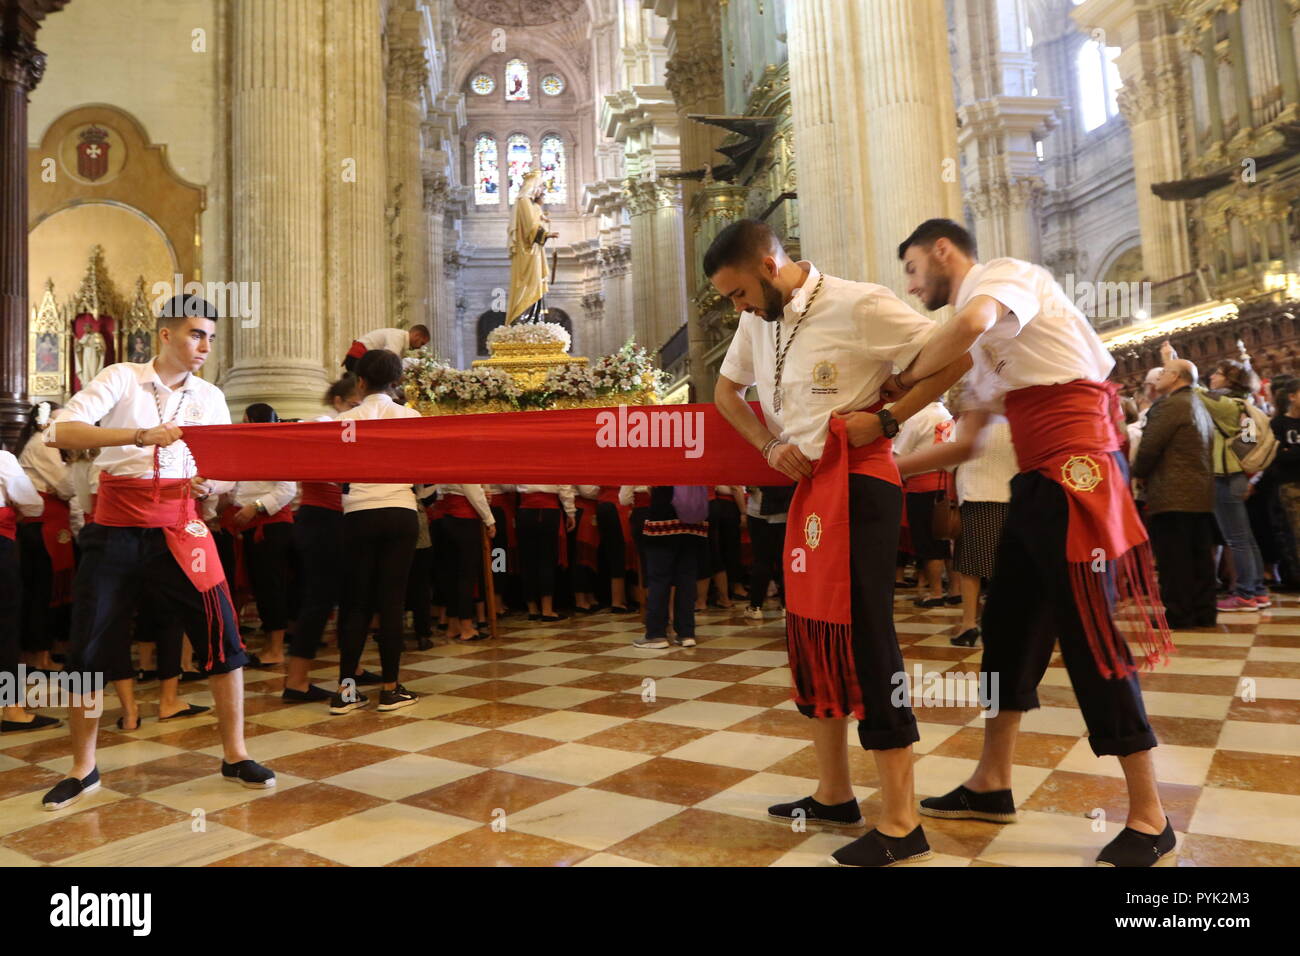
pixel 527 240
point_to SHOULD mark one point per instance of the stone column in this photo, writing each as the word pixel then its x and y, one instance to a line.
pixel 21 68
pixel 277 202
pixel 1284 38
pixel 641 203
pixel 669 303
pixel 357 173
pixel 440 319
pixel 408 75
pixel 1210 58
pixel 1240 81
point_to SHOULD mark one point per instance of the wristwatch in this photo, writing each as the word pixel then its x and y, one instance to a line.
pixel 888 423
pixel 261 508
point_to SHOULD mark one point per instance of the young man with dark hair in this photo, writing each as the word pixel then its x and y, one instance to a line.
pixel 818 348
pixel 147 533
pixel 1072 541
pixel 396 341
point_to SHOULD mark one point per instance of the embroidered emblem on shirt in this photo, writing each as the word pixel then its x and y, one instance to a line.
pixel 824 375
pixel 812 530
pixel 196 529
pixel 1081 473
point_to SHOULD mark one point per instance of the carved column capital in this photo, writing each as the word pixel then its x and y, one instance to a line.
pixel 408 71
pixel 21 61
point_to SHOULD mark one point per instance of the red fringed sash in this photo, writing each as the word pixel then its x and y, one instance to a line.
pixel 56 535
pixel 8 523
pixel 818 583
pixel 166 504
pixel 588 536
pixel 1067 432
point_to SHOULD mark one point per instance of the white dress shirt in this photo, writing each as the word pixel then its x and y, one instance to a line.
pixel 627 493
pixel 564 491
pixel 365 497
pixel 17 490
pixel 1042 340
pixel 274 495
pixel 130 395
pixel 47 469
pixel 924 429
pixel 396 341
pixel 476 497
pixel 591 492
pixel 851 342
pixel 987 476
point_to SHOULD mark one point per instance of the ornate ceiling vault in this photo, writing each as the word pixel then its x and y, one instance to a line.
pixel 519 13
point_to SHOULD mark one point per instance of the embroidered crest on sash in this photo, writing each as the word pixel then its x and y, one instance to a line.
pixel 1081 473
pixel 196 528
pixel 65 536
pixel 812 530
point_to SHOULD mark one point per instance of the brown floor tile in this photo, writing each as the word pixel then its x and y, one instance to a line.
pixel 703 838
pixel 266 703
pixel 1078 794
pixel 683 782
pixel 1198 849
pixel 647 737
pixel 494 670
pixel 803 763
pixel 1057 697
pixel 776 723
pixel 495 713
pixel 614 682
pixel 1267 710
pixel 620 705
pixel 292 811
pixel 480 796
pixel 356 724
pixel 156 774
pixel 965 838
pixel 29 779
pixel 942 654
pixel 493 689
pixel 1185 731
pixel 1188 684
pixel 1239 770
pixel 495 654
pixel 1216 653
pixel 1288 669
pixel 492 748
pixel 487 847
pixel 959 716
pixel 1277 640
pixel 55 747
pixel 208 735
pixel 598 662
pixel 750 695
pixel 731 673
pixel 274 854
pixel 331 759
pixel 702 653
pixel 89 829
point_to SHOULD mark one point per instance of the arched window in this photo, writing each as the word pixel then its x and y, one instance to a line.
pixel 1099 81
pixel 554 171
pixel 486 323
pixel 487 172
pixel 516 80
pixel 519 159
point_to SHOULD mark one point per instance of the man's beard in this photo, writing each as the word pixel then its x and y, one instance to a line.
pixel 773 301
pixel 936 297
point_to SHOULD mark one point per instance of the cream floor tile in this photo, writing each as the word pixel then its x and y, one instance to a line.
pixel 9 763
pixel 557 697
pixel 1167 704
pixel 118 756
pixel 1248 815
pixel 752 796
pixel 25 810
pixel 538 644
pixel 776 677
pixel 10 858
pixel 610 859
pixel 551 675
pixel 921 627
pixel 152 727
pixel 1282 654
pixel 281 743
pixel 442 665
pixel 1206 666
pixel 1056 677
pixel 1289 628
pixel 758 659
pixel 439 705
pixel 738 641
pixel 1046 839
pixel 594 819
pixel 932 735
pixel 291 718
pixel 709 715
pixel 744 751
pixel 621 637
pixel 817 849
pixel 380 835
pixel 1173 763
pixel 419 735
pixel 565 725
pixel 441 683
pixel 177 844
pixel 654 668
pixel 402 776
pixel 8 741
pixel 577 764
pixel 1276 611
pixel 213 792
pixel 1053 720
pixel 638 653
pixel 1259 737
pixel 682 688
pixel 936 775
pixel 1275 688
pixel 542 658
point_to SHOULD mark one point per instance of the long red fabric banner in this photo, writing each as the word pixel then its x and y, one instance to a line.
pixel 621 445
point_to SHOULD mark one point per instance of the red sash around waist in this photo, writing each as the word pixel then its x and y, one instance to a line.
pixel 609 493
pixel 1068 434
pixel 8 523
pixel 56 534
pixel 166 503
pixel 458 506
pixel 588 536
pixel 640 499
pixel 322 494
pixel 539 499
pixel 926 481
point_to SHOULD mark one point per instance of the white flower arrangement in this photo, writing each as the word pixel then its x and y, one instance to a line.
pixel 439 382
pixel 570 381
pixel 530 333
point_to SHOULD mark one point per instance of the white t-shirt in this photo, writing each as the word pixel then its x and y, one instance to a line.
pixel 851 342
pixel 476 497
pixel 17 490
pixel 396 341
pixel 987 477
pixel 365 497
pixel 1042 340
pixel 274 495
pixel 930 426
pixel 46 468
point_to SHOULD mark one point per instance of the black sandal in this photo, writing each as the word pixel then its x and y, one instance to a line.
pixel 138 721
pixel 193 710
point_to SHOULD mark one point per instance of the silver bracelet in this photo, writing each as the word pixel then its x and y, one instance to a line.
pixel 767 449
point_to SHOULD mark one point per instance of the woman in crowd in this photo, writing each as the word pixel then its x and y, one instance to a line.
pixel 766 511
pixel 540 507
pixel 460 561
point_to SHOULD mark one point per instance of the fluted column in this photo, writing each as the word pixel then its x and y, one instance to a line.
pixel 669 308
pixel 1284 38
pixel 441 317
pixel 1211 62
pixel 408 74
pixel 640 203
pixel 277 224
pixel 1240 81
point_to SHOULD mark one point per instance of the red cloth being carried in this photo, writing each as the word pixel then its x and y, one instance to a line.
pixel 588 536
pixel 8 523
pixel 56 535
pixel 1068 433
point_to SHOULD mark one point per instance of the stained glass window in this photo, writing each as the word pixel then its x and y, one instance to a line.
pixel 487 173
pixel 516 80
pixel 483 84
pixel 552 84
pixel 554 174
pixel 519 159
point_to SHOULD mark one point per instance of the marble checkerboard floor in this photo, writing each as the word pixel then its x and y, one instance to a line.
pixel 539 749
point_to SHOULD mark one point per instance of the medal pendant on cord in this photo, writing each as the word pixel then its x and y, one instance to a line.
pixel 776 398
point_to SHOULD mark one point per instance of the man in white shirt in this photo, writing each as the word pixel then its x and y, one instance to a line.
pixel 1037 357
pixel 931 425
pixel 817 346
pixel 148 538
pixel 396 341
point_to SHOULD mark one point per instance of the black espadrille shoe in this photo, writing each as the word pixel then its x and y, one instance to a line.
pixel 877 849
pixel 249 773
pixel 996 806
pixel 1135 848
pixel 844 816
pixel 69 790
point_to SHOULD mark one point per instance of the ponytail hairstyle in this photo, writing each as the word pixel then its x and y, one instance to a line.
pixel 38 419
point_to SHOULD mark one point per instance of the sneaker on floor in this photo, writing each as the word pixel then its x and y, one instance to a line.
pixel 1134 848
pixel 754 613
pixel 846 815
pixel 340 706
pixel 368 679
pixel 684 641
pixel 69 790
pixel 396 699
pixel 996 806
pixel 654 643
pixel 248 773
pixel 1234 602
pixel 308 696
pixel 1263 600
pixel 877 849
